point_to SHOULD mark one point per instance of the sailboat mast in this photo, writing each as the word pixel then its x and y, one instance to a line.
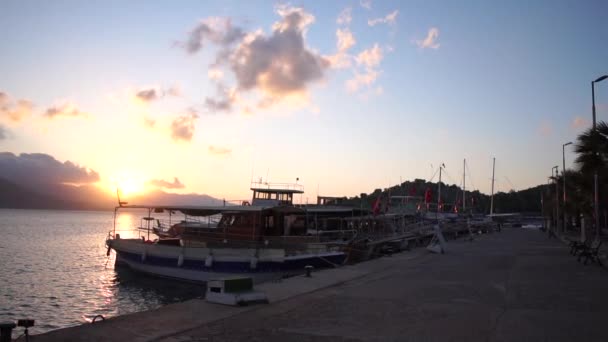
pixel 492 198
pixel 464 174
pixel 439 188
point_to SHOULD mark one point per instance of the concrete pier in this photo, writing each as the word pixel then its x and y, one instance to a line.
pixel 517 285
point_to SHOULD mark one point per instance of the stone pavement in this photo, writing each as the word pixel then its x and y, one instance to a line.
pixel 517 285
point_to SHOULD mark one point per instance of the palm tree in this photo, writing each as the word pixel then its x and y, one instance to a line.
pixel 592 150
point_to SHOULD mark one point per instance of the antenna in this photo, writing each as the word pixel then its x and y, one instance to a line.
pixel 120 204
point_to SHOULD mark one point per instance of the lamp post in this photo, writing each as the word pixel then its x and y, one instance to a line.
pixel 556 196
pixel 595 185
pixel 564 176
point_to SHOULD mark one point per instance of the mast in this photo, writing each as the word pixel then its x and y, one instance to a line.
pixel 464 174
pixel 492 198
pixel 439 189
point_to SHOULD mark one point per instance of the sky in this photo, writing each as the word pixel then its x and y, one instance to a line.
pixel 345 96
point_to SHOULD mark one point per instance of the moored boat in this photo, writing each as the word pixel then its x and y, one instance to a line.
pixel 267 239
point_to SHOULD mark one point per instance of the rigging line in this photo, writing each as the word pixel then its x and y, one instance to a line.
pixel 470 178
pixel 458 193
pixel 512 186
pixel 449 176
pixel 434 174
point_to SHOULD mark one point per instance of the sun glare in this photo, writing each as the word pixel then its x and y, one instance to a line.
pixel 127 185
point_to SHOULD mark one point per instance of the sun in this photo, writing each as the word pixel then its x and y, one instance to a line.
pixel 127 185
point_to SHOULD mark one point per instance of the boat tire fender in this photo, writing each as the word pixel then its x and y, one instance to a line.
pixel 209 260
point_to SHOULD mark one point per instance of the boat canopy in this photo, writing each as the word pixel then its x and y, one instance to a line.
pixel 214 210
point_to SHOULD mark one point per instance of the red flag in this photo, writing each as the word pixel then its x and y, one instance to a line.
pixel 428 196
pixel 376 206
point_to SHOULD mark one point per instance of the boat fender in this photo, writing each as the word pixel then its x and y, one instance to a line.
pixel 109 250
pixel 253 263
pixel 180 260
pixel 209 260
pixel 144 255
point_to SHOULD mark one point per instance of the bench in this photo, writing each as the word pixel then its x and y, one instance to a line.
pixel 591 252
pixel 576 246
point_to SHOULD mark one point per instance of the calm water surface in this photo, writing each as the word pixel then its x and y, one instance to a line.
pixel 54 269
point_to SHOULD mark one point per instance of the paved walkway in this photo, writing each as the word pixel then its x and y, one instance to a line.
pixel 517 285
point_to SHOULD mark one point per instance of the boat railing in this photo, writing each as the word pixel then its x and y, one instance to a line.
pixel 276 186
pixel 163 224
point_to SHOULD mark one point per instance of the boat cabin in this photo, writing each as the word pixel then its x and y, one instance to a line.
pixel 272 195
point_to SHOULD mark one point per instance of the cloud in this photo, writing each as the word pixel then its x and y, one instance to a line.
pixel 64 110
pixel 370 57
pixel 579 122
pixel 430 42
pixel 367 4
pixel 154 93
pixel 389 19
pixel 147 95
pixel 215 74
pixel 3 133
pixel 182 127
pixel 161 183
pixel 345 17
pixel 369 60
pixel 545 129
pixel 39 168
pixel 14 110
pixel 223 101
pixel 366 78
pixel 217 150
pixel 276 67
pixel 149 122
pixel 281 64
pixel 346 40
pixel 215 30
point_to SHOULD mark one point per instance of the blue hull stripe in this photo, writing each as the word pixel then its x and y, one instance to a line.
pixel 238 266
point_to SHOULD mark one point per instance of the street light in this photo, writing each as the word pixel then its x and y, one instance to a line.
pixel 564 176
pixel 556 197
pixel 595 186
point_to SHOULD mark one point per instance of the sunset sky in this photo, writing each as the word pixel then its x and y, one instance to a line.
pixel 348 96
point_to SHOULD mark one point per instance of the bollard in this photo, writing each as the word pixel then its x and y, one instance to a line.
pixel 6 331
pixel 308 269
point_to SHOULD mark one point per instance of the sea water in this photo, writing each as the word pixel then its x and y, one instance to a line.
pixel 54 269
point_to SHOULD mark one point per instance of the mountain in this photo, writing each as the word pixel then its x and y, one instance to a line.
pixel 85 197
pixel 165 198
pixel 39 181
pixel 19 197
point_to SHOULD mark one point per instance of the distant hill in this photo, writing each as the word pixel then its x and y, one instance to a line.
pixel 86 197
pixel 18 197
pixel 39 181
pixel 523 201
